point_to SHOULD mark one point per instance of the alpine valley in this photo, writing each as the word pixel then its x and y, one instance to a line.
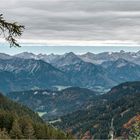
pixel 86 96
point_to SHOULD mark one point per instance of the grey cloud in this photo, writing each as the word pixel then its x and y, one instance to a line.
pixel 76 19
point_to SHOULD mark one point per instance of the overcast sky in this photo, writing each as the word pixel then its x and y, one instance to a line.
pixel 76 21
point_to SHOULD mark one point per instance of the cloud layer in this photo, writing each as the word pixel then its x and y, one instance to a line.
pixel 76 19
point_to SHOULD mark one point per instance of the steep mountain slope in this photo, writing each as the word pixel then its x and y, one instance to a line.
pixel 97 58
pixel 54 104
pixel 26 55
pixel 122 70
pixel 66 59
pixel 23 74
pixel 111 56
pixel 19 122
pixel 51 58
pixel 5 56
pixel 88 75
pixel 87 57
pixel 106 115
pixel 5 80
pixel 8 105
pixel 55 60
pixel 47 58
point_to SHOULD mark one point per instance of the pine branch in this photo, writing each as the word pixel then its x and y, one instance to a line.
pixel 10 31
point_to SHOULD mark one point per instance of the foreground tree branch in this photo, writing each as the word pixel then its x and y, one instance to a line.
pixel 10 31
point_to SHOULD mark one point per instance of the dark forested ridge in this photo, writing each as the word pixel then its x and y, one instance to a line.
pixel 19 122
pixel 54 104
pixel 113 109
pixel 84 113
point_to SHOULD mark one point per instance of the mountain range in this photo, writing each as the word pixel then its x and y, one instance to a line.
pixel 27 71
pixel 87 57
pixel 17 74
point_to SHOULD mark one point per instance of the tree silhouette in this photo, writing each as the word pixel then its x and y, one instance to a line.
pixel 10 31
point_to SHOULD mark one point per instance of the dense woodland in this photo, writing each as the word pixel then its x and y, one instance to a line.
pixel 54 104
pixel 120 104
pixel 92 116
pixel 19 122
pixel 94 121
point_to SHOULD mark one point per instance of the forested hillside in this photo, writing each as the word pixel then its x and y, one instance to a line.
pixel 108 113
pixel 53 104
pixel 84 113
pixel 19 122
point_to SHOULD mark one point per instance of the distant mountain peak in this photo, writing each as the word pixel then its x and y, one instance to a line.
pixel 89 53
pixel 5 56
pixel 70 54
pixel 26 55
pixel 122 51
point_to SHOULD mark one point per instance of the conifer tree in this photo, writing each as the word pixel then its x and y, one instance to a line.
pixel 28 131
pixel 15 132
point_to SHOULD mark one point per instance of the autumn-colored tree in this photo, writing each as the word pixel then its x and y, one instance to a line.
pixel 134 133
